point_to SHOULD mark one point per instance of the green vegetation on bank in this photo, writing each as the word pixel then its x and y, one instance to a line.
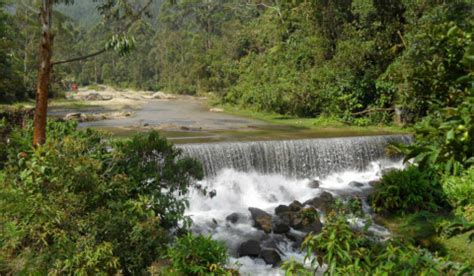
pixel 320 122
pixel 83 204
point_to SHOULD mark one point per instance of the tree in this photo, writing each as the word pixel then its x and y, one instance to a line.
pixel 110 9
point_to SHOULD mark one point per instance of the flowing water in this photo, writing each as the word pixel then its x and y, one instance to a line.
pixel 269 173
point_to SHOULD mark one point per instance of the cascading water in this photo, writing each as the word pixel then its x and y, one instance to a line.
pixel 299 158
pixel 269 173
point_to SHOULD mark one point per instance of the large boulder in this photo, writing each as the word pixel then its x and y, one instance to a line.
pixel 270 256
pixel 262 219
pixel 323 201
pixel 295 206
pixel 279 226
pixel 249 248
pixel 307 220
pixel 282 209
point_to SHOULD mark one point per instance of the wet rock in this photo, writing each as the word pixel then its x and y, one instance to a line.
pixel 282 209
pixel 272 241
pixel 234 217
pixel 250 248
pixel 356 184
pixel 374 183
pixel 280 227
pixel 324 201
pixel 307 220
pixel 296 237
pixel 314 184
pixel 262 219
pixel 270 256
pixel 295 206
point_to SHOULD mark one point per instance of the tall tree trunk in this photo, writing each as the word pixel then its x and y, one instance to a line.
pixel 46 52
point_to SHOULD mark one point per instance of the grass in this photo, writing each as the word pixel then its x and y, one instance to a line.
pixel 421 229
pixel 322 122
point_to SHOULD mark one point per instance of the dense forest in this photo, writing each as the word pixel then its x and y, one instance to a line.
pixel 357 60
pixel 86 202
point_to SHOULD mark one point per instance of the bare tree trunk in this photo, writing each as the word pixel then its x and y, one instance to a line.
pixel 46 52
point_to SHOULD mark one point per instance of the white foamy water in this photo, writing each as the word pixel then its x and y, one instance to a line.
pixel 237 191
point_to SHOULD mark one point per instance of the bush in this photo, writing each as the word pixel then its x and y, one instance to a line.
pixel 198 255
pixel 460 189
pixel 81 204
pixel 407 191
pixel 347 252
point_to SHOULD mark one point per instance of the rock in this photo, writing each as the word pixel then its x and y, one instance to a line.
pixel 262 219
pixel 295 206
pixel 296 237
pixel 307 220
pixel 322 201
pixel 374 183
pixel 162 96
pixel 314 184
pixel 80 117
pixel 97 97
pixel 249 248
pixel 217 110
pixel 280 227
pixel 234 217
pixel 356 184
pixel 270 256
pixel 282 209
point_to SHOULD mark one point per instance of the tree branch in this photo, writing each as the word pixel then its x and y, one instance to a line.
pixel 79 58
pixel 122 30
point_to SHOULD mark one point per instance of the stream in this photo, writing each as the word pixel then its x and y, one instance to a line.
pixel 267 174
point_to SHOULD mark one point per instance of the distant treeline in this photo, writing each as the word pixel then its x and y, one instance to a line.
pixel 359 60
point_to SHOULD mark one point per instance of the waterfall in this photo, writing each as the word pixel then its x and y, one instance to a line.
pixel 265 174
pixel 296 158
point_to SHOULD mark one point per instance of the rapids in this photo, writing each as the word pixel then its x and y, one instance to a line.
pixel 267 174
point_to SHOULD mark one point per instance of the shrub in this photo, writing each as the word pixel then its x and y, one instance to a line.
pixel 198 255
pixel 460 189
pixel 81 204
pixel 346 252
pixel 407 191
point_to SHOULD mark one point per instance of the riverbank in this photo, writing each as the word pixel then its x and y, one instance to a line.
pixel 191 119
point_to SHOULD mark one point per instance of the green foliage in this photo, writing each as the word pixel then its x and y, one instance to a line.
pixel 81 204
pixel 444 141
pixel 198 255
pixel 11 85
pixel 346 252
pixel 407 191
pixel 459 190
pixel 428 75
